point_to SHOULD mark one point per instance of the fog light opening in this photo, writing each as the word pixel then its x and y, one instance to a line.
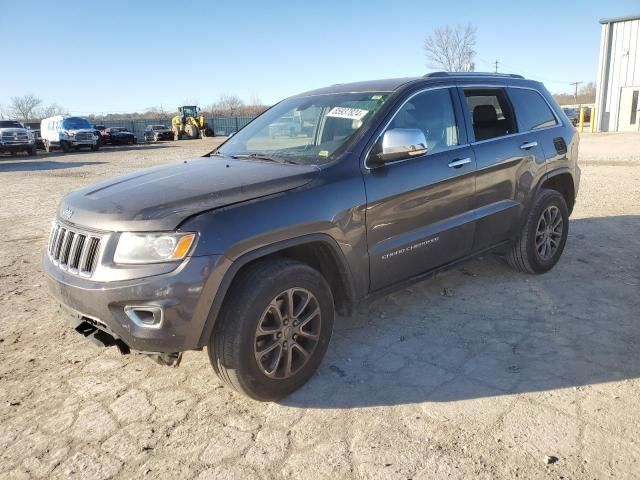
pixel 145 316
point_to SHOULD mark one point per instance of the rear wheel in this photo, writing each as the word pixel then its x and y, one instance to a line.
pixel 66 147
pixel 32 151
pixel 544 235
pixel 273 330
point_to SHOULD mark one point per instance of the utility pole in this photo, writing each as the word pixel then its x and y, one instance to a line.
pixel 575 95
pixel 496 64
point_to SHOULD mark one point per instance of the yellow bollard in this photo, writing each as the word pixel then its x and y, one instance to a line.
pixel 593 119
pixel 581 122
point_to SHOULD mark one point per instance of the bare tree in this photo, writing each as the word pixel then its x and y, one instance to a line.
pixel 255 99
pixel 50 111
pixel 586 95
pixel 156 112
pixel 451 48
pixel 587 92
pixel 229 102
pixel 24 107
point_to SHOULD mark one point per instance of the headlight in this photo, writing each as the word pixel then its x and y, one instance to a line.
pixel 153 247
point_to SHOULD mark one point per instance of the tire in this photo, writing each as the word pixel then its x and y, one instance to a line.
pixel 523 254
pixel 32 152
pixel 251 301
pixel 176 134
pixel 66 148
pixel 191 131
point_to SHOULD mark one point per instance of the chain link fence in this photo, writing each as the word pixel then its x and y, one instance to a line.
pixel 221 126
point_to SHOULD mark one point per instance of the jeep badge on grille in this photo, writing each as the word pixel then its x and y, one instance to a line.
pixel 66 213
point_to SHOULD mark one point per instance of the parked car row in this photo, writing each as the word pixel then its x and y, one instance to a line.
pixel 68 133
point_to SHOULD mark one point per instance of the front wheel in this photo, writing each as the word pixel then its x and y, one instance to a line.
pixel 273 330
pixel 544 235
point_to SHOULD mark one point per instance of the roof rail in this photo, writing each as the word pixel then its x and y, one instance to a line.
pixel 471 74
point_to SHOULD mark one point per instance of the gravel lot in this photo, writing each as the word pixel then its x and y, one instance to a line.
pixel 481 372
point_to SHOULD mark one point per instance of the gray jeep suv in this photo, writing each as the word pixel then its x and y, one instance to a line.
pixel 250 250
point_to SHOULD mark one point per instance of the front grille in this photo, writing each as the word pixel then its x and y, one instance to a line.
pixel 73 250
pixel 84 136
pixel 14 137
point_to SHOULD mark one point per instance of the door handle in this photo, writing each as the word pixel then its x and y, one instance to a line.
pixel 460 162
pixel 528 145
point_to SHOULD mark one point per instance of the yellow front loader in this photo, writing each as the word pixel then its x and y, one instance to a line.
pixel 190 124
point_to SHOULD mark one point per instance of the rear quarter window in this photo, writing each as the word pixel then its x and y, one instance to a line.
pixel 531 109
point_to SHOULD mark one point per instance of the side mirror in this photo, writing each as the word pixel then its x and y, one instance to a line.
pixel 399 144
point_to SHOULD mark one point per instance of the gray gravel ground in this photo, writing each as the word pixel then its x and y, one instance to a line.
pixel 479 373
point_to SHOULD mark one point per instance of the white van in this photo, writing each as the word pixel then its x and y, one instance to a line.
pixel 67 132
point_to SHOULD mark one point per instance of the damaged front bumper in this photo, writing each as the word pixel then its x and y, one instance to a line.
pixel 161 315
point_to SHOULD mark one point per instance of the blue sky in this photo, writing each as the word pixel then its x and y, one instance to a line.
pixel 114 56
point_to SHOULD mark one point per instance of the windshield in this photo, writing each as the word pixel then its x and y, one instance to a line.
pixel 76 123
pixel 310 130
pixel 10 124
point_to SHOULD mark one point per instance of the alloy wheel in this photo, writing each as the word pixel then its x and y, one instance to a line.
pixel 288 333
pixel 549 232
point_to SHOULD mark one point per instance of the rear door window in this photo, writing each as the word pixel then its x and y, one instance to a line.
pixel 532 111
pixel 490 112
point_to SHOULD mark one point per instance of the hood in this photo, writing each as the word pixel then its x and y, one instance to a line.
pixel 159 199
pixel 12 130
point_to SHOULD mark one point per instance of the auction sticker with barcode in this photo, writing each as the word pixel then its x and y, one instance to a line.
pixel 345 112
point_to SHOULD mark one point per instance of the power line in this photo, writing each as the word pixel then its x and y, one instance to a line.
pixel 496 64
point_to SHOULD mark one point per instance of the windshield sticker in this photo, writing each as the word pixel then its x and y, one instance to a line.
pixel 323 153
pixel 350 113
pixel 376 97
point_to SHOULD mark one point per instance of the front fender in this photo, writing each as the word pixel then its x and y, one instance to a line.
pixel 234 267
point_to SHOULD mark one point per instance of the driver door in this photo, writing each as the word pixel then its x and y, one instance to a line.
pixel 419 211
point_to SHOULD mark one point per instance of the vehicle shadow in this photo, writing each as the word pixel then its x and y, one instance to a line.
pixel 483 330
pixel 30 165
pixel 136 146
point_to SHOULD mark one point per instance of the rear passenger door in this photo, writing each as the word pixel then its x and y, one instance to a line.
pixel 419 210
pixel 507 162
pixel 536 116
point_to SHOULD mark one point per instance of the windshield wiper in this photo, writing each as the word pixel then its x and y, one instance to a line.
pixel 263 156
